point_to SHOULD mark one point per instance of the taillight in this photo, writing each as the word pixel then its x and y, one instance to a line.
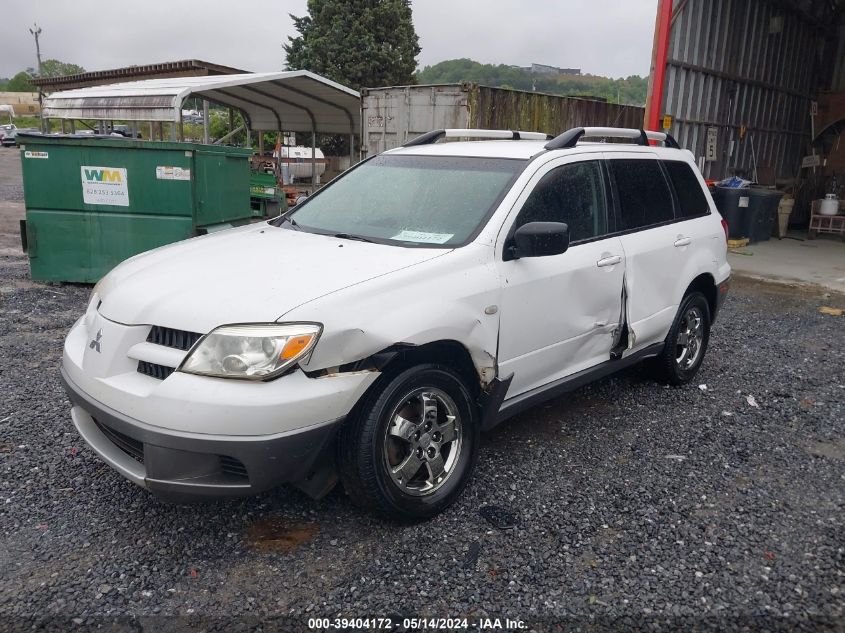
pixel 725 227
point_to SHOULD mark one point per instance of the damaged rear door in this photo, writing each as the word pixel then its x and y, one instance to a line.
pixel 559 312
pixel 656 247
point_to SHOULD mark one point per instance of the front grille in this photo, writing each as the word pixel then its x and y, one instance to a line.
pixel 168 337
pixel 128 445
pixel 156 371
pixel 232 466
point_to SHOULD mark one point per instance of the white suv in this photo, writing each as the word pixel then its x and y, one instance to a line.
pixel 374 330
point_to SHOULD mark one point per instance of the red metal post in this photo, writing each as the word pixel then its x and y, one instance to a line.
pixel 659 55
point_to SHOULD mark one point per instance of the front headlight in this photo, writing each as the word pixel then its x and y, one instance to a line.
pixel 254 351
pixel 96 289
pixel 95 293
pixel 93 305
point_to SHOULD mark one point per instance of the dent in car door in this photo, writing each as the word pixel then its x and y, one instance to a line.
pixel 656 247
pixel 559 312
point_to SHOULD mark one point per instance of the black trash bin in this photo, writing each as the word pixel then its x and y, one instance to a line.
pixel 750 212
pixel 733 204
pixel 763 206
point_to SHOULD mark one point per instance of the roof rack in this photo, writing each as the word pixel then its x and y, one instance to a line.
pixel 514 135
pixel 571 137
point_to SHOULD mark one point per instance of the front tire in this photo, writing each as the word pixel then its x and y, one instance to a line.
pixel 409 450
pixel 686 342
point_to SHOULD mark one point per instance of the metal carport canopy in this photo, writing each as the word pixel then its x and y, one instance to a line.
pixel 294 101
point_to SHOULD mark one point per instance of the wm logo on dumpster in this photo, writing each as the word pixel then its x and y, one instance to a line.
pixel 104 185
pixel 103 175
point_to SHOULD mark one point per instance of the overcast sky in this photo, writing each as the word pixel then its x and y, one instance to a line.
pixel 604 37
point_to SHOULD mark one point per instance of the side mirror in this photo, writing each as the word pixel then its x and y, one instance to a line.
pixel 539 239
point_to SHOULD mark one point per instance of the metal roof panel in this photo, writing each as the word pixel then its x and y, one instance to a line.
pixel 295 101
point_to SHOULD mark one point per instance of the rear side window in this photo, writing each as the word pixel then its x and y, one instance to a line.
pixel 691 198
pixel 644 194
pixel 573 194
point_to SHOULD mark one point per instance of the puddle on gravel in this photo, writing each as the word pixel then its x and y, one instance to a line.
pixel 276 534
pixel 499 517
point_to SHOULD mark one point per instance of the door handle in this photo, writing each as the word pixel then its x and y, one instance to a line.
pixel 683 241
pixel 609 261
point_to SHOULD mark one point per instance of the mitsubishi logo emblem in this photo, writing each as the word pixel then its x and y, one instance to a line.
pixel 95 343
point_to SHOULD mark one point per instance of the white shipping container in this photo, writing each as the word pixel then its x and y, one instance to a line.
pixel 392 116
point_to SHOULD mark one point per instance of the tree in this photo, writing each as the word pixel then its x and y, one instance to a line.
pixel 359 43
pixel 49 68
pixel 20 83
pixel 55 68
pixel 218 126
pixel 631 90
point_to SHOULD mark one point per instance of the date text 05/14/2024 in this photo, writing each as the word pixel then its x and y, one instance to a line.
pixel 418 624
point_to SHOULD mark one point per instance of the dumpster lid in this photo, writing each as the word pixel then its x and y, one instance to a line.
pixel 294 101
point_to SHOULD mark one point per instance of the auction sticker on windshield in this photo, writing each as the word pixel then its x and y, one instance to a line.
pixel 423 236
pixel 105 185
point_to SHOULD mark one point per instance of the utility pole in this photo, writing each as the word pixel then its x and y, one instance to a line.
pixel 36 32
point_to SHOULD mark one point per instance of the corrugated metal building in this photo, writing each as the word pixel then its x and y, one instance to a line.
pixel 741 78
pixel 182 68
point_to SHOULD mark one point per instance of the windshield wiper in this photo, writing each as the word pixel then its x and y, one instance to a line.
pixel 348 236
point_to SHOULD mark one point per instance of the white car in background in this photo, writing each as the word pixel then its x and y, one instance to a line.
pixel 7 134
pixel 376 329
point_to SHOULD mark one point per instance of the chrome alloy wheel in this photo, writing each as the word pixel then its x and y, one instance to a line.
pixel 422 441
pixel 690 338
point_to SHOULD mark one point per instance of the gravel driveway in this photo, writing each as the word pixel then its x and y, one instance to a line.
pixel 633 505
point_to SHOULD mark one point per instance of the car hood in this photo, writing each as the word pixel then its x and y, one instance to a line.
pixel 247 275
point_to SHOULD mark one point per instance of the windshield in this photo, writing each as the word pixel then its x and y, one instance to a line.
pixel 412 200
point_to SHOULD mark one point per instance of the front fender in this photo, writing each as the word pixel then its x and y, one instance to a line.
pixel 454 297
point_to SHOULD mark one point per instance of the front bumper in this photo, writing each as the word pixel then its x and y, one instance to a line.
pixel 181 465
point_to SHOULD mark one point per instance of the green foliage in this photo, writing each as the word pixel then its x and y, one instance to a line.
pixel 630 90
pixel 359 43
pixel 218 127
pixel 55 68
pixel 27 121
pixel 49 68
pixel 20 83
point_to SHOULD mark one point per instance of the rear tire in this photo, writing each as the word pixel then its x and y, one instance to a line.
pixel 409 450
pixel 686 342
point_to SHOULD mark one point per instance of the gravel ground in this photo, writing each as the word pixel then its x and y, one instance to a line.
pixel 635 506
pixel 11 193
pixel 11 179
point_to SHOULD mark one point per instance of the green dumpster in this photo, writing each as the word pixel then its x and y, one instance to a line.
pixel 92 202
pixel 265 195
